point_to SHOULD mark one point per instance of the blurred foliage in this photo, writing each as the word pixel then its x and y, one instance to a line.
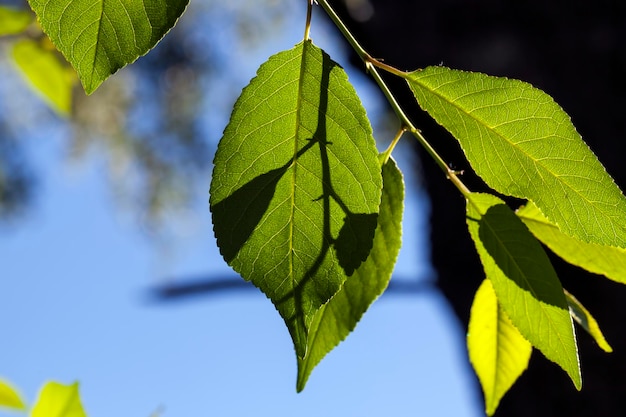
pixel 153 124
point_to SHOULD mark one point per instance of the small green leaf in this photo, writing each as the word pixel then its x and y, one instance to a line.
pixel 297 184
pixel 46 73
pixel 525 282
pixel 10 398
pixel 497 350
pixel 58 400
pixel 603 260
pixel 524 145
pixel 336 319
pixel 14 21
pixel 98 37
pixel 586 321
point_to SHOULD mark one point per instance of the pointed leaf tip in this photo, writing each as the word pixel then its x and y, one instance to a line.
pixel 297 184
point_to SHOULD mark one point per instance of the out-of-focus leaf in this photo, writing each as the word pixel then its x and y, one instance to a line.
pixel 524 145
pixel 525 282
pixel 297 184
pixel 98 37
pixel 497 350
pixel 46 74
pixel 58 400
pixel 10 398
pixel 336 319
pixel 587 322
pixel 599 259
pixel 14 21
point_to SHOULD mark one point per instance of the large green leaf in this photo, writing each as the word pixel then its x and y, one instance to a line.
pixel 583 317
pixel 58 400
pixel 98 37
pixel 46 72
pixel 604 260
pixel 297 184
pixel 524 145
pixel 497 350
pixel 336 319
pixel 524 281
pixel 9 397
pixel 14 21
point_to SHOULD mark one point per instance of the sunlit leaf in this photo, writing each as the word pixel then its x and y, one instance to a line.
pixel 524 281
pixel 98 37
pixel 587 322
pixel 603 260
pixel 297 184
pixel 336 319
pixel 58 400
pixel 524 145
pixel 14 21
pixel 46 73
pixel 497 350
pixel 10 398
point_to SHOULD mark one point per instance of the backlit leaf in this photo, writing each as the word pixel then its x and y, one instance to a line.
pixel 524 281
pixel 46 73
pixel 524 145
pixel 297 184
pixel 98 37
pixel 603 260
pixel 14 21
pixel 497 350
pixel 58 400
pixel 336 319
pixel 10 398
pixel 586 321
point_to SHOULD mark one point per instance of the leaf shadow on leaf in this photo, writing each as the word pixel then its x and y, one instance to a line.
pixel 509 262
pixel 236 217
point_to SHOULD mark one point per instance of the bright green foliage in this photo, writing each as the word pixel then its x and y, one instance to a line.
pixel 497 350
pixel 58 400
pixel 46 73
pixel 9 397
pixel 524 145
pixel 587 322
pixel 604 260
pixel 297 184
pixel 14 21
pixel 98 37
pixel 524 281
pixel 336 319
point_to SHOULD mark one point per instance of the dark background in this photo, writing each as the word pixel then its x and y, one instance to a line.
pixel 576 52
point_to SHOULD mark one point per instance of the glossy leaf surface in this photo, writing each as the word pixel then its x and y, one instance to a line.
pixel 336 319
pixel 297 184
pixel 47 75
pixel 603 260
pixel 524 145
pixel 10 398
pixel 98 37
pixel 524 281
pixel 497 350
pixel 58 400
pixel 583 317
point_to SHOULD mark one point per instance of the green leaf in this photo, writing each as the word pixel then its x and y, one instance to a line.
pixel 98 37
pixel 46 73
pixel 336 319
pixel 58 400
pixel 297 184
pixel 524 145
pixel 497 350
pixel 9 397
pixel 586 321
pixel 603 260
pixel 14 21
pixel 525 282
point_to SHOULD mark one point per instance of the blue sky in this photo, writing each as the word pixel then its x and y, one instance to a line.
pixel 75 302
